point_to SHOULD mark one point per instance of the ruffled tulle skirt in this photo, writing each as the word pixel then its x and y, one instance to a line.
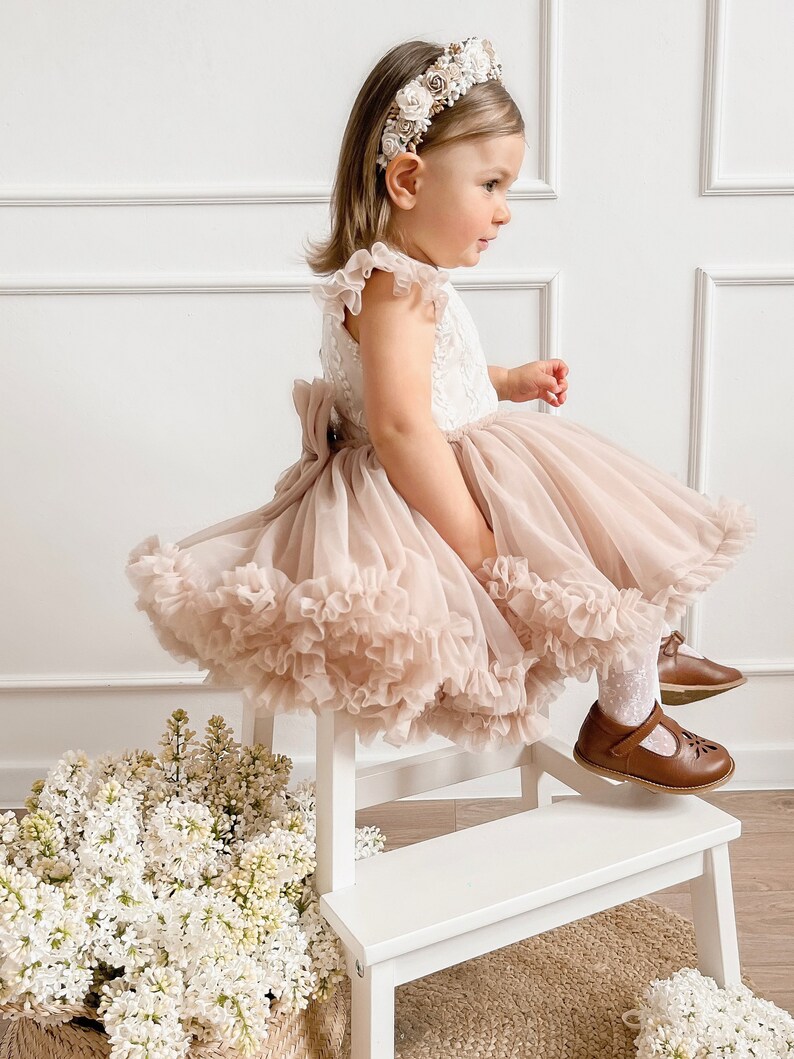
pixel 337 595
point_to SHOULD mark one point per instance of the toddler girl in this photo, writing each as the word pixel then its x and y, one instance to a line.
pixel 434 563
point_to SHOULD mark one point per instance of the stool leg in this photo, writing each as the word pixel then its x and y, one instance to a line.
pixel 372 1012
pixel 256 727
pixel 715 920
pixel 535 783
pixel 535 788
pixel 263 731
pixel 336 801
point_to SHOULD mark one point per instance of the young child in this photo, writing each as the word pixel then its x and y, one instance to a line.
pixel 433 563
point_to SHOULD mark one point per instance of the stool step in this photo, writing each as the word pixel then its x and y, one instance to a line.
pixel 419 895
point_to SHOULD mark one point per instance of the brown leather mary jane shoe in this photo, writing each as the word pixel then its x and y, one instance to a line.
pixel 684 678
pixel 613 750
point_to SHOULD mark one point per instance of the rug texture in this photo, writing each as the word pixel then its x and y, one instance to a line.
pixel 559 995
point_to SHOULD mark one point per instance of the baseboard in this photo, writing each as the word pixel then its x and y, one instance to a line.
pixel 758 768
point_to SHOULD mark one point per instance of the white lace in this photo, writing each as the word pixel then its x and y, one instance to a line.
pixel 461 388
pixel 629 698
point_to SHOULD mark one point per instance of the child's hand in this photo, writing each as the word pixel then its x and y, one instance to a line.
pixel 539 379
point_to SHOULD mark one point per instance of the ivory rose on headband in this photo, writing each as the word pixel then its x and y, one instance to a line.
pixel 461 65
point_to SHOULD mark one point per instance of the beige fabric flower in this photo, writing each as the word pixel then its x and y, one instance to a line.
pixel 461 65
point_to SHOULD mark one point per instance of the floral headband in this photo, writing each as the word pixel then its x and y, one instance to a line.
pixel 462 64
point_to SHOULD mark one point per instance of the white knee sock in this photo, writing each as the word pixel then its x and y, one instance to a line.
pixel 628 699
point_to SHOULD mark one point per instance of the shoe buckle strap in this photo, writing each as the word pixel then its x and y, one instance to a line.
pixel 672 643
pixel 625 745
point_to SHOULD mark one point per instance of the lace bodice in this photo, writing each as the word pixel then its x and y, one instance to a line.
pixel 461 389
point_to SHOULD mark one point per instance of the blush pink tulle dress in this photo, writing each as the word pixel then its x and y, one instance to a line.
pixel 337 595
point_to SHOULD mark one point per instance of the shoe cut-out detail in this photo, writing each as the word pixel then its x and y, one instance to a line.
pixel 700 745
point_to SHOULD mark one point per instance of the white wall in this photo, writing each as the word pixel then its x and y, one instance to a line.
pixel 160 165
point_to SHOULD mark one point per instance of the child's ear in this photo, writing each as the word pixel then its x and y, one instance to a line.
pixel 402 175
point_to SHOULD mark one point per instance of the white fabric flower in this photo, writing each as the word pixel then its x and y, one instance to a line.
pixel 414 101
pixel 475 61
pixel 461 65
pixel 392 144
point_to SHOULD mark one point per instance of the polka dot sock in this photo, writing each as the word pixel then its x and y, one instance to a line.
pixel 628 698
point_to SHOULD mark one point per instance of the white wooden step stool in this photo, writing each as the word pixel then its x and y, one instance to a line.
pixel 409 912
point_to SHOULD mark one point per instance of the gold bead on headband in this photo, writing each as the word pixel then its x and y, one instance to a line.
pixel 461 65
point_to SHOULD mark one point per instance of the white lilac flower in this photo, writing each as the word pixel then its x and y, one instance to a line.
pixel 687 1016
pixel 232 1002
pixel 41 932
pixel 111 832
pixel 180 843
pixel 66 791
pixel 192 924
pixel 284 951
pixel 178 758
pixel 323 946
pixel 9 834
pixel 173 894
pixel 41 846
pixel 144 1021
pixel 135 772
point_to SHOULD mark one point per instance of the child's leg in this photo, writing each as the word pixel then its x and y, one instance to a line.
pixel 628 699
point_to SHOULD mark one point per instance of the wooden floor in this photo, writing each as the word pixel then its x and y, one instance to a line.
pixel 762 867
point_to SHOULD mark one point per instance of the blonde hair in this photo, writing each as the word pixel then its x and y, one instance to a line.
pixel 361 209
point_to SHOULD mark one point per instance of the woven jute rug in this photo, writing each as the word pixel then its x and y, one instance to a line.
pixel 559 995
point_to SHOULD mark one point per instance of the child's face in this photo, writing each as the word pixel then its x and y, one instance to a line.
pixel 446 202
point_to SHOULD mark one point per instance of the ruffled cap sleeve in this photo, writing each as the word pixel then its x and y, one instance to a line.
pixel 345 286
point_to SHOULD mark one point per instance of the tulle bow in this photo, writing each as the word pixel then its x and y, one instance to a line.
pixel 313 401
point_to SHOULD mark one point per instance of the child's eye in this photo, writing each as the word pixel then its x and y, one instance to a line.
pixel 487 182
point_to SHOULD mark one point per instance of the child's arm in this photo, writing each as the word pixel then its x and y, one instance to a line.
pixel 396 344
pixel 498 377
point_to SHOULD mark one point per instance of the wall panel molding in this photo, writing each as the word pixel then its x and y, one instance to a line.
pixel 544 187
pixel 703 357
pixel 712 181
pixel 169 681
pixel 545 282
pixel 758 768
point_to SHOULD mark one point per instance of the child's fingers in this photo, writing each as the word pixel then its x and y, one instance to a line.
pixel 557 367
